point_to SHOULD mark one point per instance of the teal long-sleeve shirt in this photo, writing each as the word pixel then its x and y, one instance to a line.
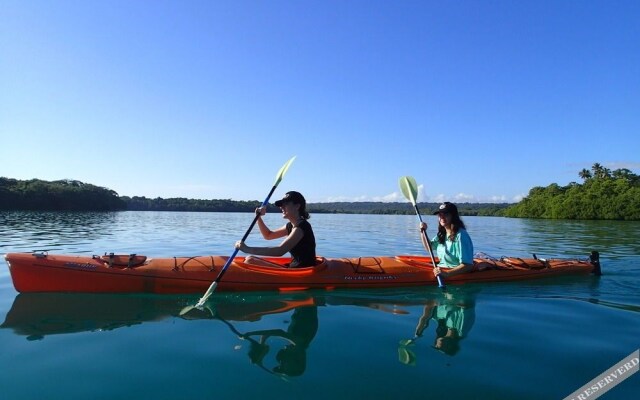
pixel 454 252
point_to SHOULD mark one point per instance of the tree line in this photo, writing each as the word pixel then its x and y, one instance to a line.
pixel 184 204
pixel 364 207
pixel 604 194
pixel 62 195
pixel 72 195
pixel 137 203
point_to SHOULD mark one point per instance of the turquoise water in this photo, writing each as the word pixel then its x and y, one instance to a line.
pixel 532 340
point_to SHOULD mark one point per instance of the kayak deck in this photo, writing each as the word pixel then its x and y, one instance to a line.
pixel 43 272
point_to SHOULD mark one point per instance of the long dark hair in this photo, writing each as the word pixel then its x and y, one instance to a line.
pixel 303 211
pixel 456 225
pixel 302 202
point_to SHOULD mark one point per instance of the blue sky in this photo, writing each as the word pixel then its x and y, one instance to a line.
pixel 478 100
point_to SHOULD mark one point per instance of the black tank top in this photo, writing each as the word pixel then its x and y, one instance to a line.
pixel 303 253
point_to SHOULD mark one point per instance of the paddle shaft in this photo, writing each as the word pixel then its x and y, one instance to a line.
pixel 214 284
pixel 246 234
pixel 433 259
pixel 409 188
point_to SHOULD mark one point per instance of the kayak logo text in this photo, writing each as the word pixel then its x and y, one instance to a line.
pixel 80 265
pixel 370 278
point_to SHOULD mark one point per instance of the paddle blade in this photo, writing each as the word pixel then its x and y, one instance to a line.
pixel 409 188
pixel 186 310
pixel 193 312
pixel 283 170
pixel 206 296
pixel 407 357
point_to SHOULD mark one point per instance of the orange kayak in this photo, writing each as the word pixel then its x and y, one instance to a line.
pixel 43 272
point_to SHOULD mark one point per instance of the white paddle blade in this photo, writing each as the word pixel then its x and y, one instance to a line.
pixel 409 188
pixel 186 309
pixel 283 170
pixel 206 296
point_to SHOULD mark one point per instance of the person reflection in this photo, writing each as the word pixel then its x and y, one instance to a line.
pixel 454 315
pixel 292 359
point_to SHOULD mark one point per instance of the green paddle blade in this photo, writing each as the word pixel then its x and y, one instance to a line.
pixel 406 356
pixel 283 170
pixel 409 188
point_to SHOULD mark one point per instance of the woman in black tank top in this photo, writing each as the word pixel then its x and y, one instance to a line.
pixel 298 234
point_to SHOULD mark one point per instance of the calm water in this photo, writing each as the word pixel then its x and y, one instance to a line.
pixel 533 340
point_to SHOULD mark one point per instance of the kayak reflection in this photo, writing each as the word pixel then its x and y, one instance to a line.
pixel 278 348
pixel 37 315
pixel 453 314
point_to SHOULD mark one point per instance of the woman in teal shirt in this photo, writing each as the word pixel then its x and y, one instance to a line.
pixel 452 244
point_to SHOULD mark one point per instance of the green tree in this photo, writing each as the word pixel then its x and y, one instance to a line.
pixel 606 194
pixel 585 174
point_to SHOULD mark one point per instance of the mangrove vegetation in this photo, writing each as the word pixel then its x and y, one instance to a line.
pixel 603 195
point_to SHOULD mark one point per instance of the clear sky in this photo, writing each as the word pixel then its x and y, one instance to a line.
pixel 478 100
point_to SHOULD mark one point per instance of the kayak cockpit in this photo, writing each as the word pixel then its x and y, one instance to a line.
pixel 112 260
pixel 281 266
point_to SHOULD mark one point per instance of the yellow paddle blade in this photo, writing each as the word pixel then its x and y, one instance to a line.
pixel 283 170
pixel 409 188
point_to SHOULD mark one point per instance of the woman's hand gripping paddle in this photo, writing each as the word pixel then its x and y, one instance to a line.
pixel 409 189
pixel 213 286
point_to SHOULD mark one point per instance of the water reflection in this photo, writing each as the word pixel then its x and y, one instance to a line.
pixel 182 233
pixel 72 231
pixel 37 315
pixel 287 347
pixel 292 357
pixel 453 315
pixel 279 349
pixel 555 238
